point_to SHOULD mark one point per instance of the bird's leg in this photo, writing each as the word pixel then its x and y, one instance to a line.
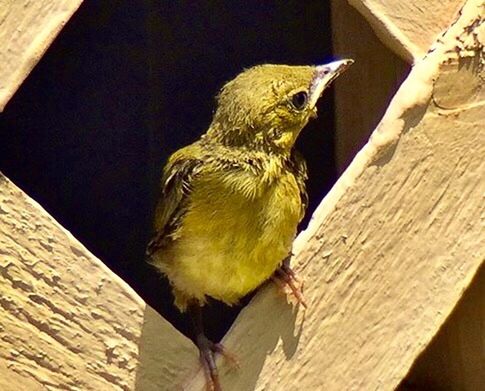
pixel 207 348
pixel 284 277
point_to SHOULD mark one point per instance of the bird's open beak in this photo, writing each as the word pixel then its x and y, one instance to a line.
pixel 324 75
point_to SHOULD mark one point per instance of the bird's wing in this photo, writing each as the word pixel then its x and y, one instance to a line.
pixel 178 174
pixel 300 171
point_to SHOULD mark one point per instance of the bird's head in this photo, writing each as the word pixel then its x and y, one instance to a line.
pixel 267 106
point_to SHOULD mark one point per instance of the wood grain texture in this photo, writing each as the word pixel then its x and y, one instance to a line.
pixel 66 321
pixel 393 246
pixel 455 359
pixel 27 28
pixel 409 27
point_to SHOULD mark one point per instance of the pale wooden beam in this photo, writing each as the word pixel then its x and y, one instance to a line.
pixel 68 322
pixel 408 27
pixel 27 28
pixel 363 94
pixel 455 359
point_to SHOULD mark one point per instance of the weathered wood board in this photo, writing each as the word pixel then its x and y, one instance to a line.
pixel 409 27
pixel 455 358
pixel 364 93
pixel 27 28
pixel 66 321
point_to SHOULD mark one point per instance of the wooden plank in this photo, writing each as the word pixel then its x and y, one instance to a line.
pixel 409 27
pixel 455 359
pixel 363 94
pixel 27 28
pixel 392 247
pixel 66 321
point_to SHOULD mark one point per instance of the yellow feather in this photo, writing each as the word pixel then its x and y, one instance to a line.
pixel 228 245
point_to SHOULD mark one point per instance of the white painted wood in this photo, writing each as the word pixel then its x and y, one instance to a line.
pixel 409 27
pixel 66 321
pixel 365 91
pixel 27 28
pixel 455 359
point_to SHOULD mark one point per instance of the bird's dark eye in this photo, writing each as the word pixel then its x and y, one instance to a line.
pixel 299 100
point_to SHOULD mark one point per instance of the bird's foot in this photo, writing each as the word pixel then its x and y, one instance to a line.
pixel 285 278
pixel 207 350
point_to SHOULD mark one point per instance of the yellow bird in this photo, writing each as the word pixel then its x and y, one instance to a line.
pixel 230 203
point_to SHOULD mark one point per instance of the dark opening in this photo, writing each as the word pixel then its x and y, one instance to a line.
pixel 126 84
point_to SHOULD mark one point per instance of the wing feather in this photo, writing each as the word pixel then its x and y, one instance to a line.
pixel 177 178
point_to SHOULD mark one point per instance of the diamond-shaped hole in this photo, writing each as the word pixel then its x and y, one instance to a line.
pixel 122 87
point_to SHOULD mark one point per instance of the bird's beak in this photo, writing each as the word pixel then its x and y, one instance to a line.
pixel 324 75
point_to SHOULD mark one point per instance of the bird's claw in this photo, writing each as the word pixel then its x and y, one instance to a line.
pixel 285 277
pixel 231 358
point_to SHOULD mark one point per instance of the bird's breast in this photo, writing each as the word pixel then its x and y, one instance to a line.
pixel 235 233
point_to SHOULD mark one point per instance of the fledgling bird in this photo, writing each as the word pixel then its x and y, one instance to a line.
pixel 230 202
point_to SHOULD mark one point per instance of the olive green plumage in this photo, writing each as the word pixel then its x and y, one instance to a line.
pixel 230 203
